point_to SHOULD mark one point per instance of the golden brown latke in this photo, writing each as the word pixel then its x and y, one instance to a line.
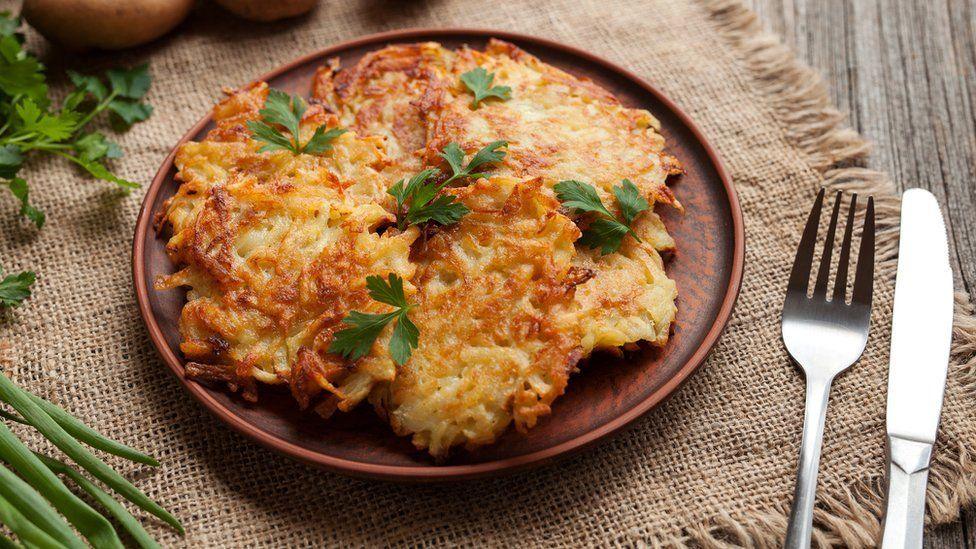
pixel 275 247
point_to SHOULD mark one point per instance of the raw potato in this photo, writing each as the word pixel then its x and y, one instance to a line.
pixel 267 10
pixel 104 24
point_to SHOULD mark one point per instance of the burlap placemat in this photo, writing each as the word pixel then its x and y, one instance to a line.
pixel 714 465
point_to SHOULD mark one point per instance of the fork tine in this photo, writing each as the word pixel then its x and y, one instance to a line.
pixel 840 284
pixel 800 275
pixel 823 273
pixel 864 278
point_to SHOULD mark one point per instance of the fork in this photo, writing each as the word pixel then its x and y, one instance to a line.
pixel 825 336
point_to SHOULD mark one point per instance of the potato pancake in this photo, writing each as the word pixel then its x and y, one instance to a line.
pixel 275 249
pixel 382 95
pixel 557 126
pixel 275 241
pixel 489 292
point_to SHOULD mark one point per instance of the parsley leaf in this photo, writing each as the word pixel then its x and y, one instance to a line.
pixel 489 154
pixel 94 146
pixel 606 232
pixel 31 125
pixel 417 201
pixel 10 161
pixel 356 341
pixel 479 81
pixel 281 109
pixel 321 140
pixel 630 201
pixel 33 120
pixel 14 289
pixel 20 74
pixel 18 187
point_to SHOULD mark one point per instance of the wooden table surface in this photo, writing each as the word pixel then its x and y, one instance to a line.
pixel 905 73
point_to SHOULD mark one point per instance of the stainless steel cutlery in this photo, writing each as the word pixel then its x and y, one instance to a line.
pixel 825 335
pixel 921 333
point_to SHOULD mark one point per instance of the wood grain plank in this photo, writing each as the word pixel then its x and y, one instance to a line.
pixel 905 72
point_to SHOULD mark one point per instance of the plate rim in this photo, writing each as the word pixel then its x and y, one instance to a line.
pixel 461 471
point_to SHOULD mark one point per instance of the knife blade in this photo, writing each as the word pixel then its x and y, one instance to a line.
pixel 921 334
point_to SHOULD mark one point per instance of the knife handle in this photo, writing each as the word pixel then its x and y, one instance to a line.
pixel 908 473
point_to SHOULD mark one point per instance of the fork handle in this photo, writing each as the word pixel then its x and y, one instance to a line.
pixel 804 496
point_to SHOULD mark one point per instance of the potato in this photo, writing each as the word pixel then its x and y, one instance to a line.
pixel 267 10
pixel 104 24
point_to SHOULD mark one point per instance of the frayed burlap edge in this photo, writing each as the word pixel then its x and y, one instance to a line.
pixel 798 99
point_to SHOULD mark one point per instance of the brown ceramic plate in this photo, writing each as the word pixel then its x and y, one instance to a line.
pixel 605 397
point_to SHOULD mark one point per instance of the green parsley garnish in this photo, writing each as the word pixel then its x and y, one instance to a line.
pixel 418 202
pixel 489 154
pixel 283 110
pixel 606 231
pixel 15 288
pixel 479 81
pixel 30 123
pixel 356 341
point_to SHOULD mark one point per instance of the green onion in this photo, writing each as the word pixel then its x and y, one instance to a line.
pixel 27 531
pixel 7 543
pixel 20 400
pixel 92 525
pixel 84 433
pixel 121 514
pixel 37 510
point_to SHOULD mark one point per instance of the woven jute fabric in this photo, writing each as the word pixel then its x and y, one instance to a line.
pixel 713 466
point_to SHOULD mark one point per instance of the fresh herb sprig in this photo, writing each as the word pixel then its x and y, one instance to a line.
pixel 356 341
pixel 38 507
pixel 606 231
pixel 418 201
pixel 15 288
pixel 489 154
pixel 30 124
pixel 480 81
pixel 286 111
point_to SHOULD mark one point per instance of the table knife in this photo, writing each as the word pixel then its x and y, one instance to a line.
pixel 921 332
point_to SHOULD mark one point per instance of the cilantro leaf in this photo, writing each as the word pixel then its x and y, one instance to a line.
pixel 606 232
pixel 417 201
pixel 10 161
pixel 479 81
pixel 281 109
pixel 18 187
pixel 363 329
pixel 454 155
pixel 14 289
pixel 321 140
